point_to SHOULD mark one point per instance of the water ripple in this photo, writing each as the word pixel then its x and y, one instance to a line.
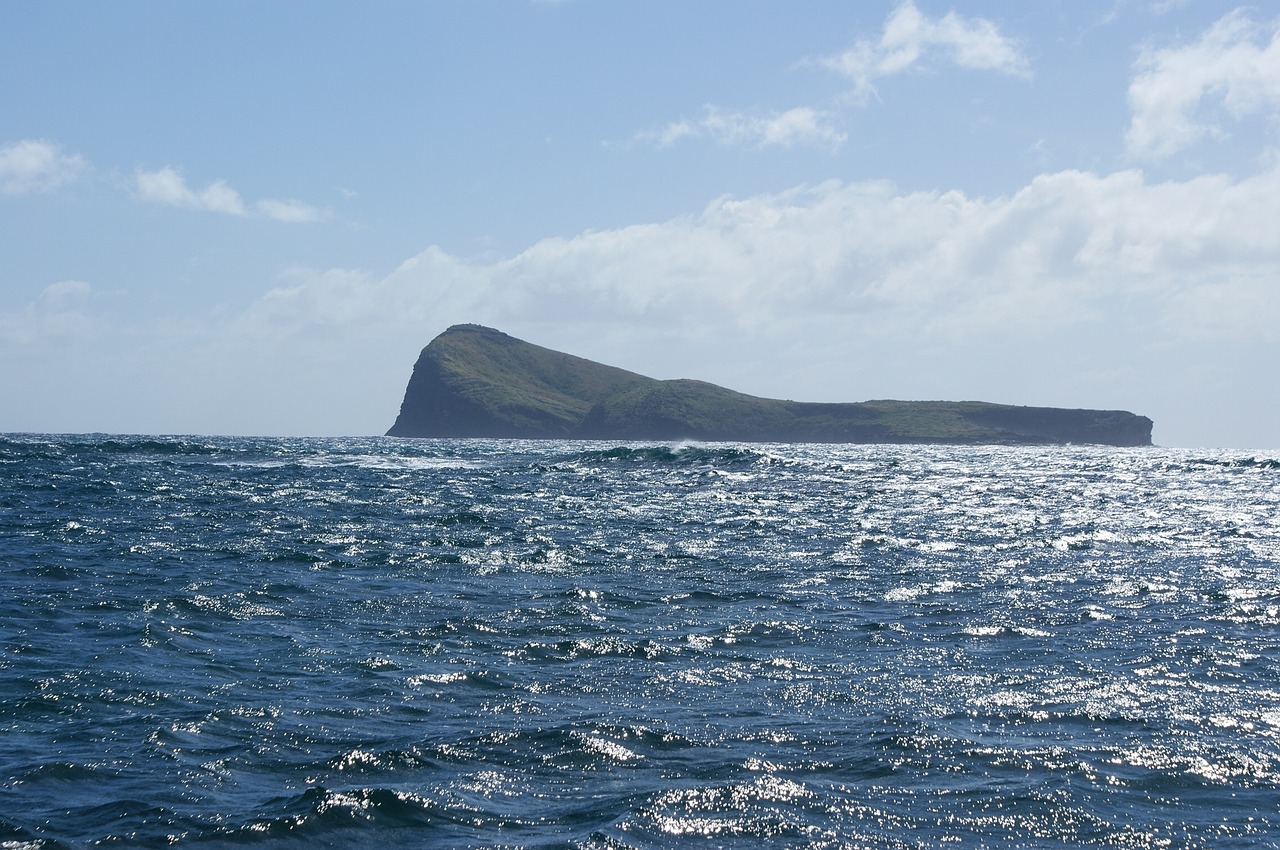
pixel 226 642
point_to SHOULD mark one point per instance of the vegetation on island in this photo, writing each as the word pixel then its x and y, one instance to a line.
pixel 473 381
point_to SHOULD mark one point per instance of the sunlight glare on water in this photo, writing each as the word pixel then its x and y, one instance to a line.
pixel 536 644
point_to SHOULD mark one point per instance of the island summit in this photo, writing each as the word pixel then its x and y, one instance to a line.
pixel 473 381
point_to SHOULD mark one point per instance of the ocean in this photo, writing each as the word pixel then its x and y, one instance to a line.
pixel 228 642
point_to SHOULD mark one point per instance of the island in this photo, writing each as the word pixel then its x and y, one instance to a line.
pixel 474 381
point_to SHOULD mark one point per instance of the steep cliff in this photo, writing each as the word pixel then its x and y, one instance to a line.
pixel 473 381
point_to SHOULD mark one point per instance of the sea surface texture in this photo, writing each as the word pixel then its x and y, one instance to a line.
pixel 215 642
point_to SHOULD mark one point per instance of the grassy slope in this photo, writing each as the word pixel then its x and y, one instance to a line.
pixel 509 378
pixel 491 384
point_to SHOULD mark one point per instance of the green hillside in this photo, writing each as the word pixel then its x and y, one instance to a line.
pixel 473 381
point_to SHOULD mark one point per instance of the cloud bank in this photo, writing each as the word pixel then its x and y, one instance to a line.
pixel 1080 289
pixel 1069 249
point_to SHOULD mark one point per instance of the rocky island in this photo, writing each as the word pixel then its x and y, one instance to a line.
pixel 473 381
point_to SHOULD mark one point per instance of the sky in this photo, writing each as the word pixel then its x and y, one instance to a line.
pixel 248 218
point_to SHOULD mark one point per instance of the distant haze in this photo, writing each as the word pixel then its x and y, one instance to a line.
pixel 249 218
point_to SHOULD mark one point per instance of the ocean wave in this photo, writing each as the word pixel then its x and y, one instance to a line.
pixel 236 641
pixel 1264 463
pixel 678 454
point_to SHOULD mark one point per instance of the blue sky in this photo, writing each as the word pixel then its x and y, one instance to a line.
pixel 248 218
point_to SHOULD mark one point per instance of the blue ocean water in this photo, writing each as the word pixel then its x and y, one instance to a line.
pixel 370 642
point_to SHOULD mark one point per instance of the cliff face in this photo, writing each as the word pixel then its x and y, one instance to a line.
pixel 473 381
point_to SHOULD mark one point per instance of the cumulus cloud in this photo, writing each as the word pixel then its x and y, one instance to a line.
pixel 793 128
pixel 168 187
pixel 909 39
pixel 36 165
pixel 1180 95
pixel 1070 248
pixel 912 39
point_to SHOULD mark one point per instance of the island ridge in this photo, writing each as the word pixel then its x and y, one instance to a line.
pixel 473 381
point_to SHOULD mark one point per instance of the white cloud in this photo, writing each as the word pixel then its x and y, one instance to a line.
pixel 792 128
pixel 59 313
pixel 168 188
pixel 911 38
pixel 1068 250
pixel 289 211
pixel 35 165
pixel 1079 289
pixel 1164 7
pixel 1179 95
